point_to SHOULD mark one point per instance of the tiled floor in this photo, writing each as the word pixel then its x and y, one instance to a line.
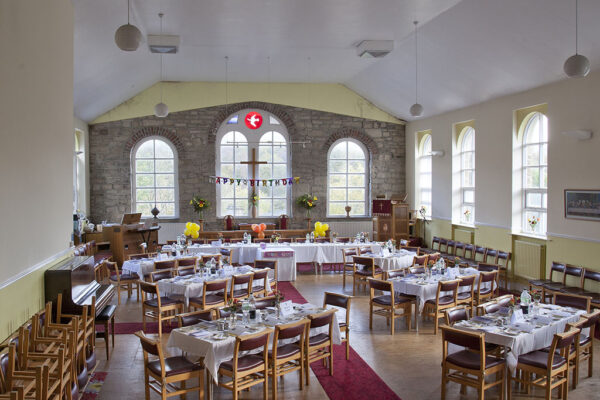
pixel 409 362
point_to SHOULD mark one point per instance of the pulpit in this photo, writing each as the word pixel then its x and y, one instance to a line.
pixel 390 220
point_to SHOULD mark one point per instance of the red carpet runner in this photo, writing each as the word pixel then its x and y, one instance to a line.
pixel 351 380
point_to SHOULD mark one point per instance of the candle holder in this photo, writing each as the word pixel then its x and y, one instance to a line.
pixel 348 209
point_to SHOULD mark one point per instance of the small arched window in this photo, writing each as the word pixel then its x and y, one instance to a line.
pixel 467 176
pixel 348 178
pixel 154 172
pixel 535 173
pixel 424 175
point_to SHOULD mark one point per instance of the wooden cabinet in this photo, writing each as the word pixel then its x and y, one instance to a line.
pixel 393 226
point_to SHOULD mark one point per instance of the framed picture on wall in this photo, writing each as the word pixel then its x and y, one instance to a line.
pixel 582 204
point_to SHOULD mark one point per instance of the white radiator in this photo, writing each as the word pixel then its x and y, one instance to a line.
pixel 170 230
pixel 463 235
pixel 351 228
pixel 529 259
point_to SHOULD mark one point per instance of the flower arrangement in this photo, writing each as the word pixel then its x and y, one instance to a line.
pixel 536 295
pixel 533 221
pixel 275 237
pixel 255 199
pixel 200 204
pixel 423 212
pixel 278 297
pixel 233 306
pixel 467 214
pixel 307 201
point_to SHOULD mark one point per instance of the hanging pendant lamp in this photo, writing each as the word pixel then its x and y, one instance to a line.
pixel 577 66
pixel 128 37
pixel 416 110
pixel 161 110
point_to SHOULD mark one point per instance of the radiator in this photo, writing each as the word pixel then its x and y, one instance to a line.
pixel 351 228
pixel 529 259
pixel 463 235
pixel 170 230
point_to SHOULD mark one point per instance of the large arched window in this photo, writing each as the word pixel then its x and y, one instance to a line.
pixel 239 139
pixel 154 177
pixel 424 174
pixel 348 178
pixel 535 173
pixel 467 175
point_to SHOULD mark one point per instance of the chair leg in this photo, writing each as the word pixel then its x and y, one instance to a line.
pixel 160 325
pixel 370 315
pixel 347 345
pixel 508 385
pixel 201 385
pixel 112 326
pixel 274 381
pixel 106 334
pixel 119 294
pixel 143 319
pixel 443 396
pixel 331 360
pixel 435 322
pixel 392 320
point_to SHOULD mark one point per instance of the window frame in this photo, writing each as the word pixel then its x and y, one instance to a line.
pixel 253 137
pixel 541 211
pixel 467 131
pixel 427 139
pixel 134 151
pixel 367 175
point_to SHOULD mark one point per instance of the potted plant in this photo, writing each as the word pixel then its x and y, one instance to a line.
pixel 307 201
pixel 279 296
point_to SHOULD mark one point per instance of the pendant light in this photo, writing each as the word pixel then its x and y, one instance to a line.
pixel 161 110
pixel 416 110
pixel 577 66
pixel 128 37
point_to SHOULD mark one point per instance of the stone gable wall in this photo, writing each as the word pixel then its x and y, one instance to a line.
pixel 193 133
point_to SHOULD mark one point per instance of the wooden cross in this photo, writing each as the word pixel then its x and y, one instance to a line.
pixel 254 162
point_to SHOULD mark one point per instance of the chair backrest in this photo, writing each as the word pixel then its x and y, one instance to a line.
pixel 469 250
pixel 573 271
pixel 244 279
pixel 113 267
pixel 434 241
pixel 557 267
pixel 286 240
pixel 348 253
pixel 561 344
pixel 138 256
pixel 291 330
pixel 263 240
pixel 213 286
pixel 343 240
pixel 149 288
pixel 186 271
pixel 264 302
pixel 491 256
pixel 456 314
pixel 300 240
pixel 572 300
pixel 447 286
pixel 258 275
pixel 485 277
pixel 271 264
pixel 321 319
pixel 503 301
pixel 591 277
pixel 420 260
pixel 591 320
pixel 485 267
pixel 394 273
pixel 467 281
pixel 471 340
pixel 443 245
pixel 364 250
pixel 337 300
pixel 381 285
pixel 489 307
pixel 207 257
pixel 323 240
pixel 194 317
pixel 366 262
pixel 451 247
pixel 186 262
pixel 198 241
pixel 480 253
pixel 417 270
pixel 149 346
pixel 459 249
pixel 504 258
pixel 165 264
pixel 433 258
pixel 156 276
pixel 252 342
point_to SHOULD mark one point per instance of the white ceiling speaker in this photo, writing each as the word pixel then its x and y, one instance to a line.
pixel 163 44
pixel 577 66
pixel 579 134
pixel 416 110
pixel 161 110
pixel 128 37
pixel 374 48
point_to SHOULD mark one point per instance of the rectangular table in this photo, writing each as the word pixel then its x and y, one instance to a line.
pixel 398 260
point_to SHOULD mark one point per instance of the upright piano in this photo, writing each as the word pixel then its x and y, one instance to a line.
pixel 75 279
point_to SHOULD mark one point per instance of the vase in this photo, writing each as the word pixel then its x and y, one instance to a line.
pixel 308 213
pixel 232 320
pixel 277 311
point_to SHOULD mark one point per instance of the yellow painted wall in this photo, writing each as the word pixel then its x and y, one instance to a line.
pixel 181 96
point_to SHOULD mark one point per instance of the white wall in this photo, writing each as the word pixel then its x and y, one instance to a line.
pixel 36 110
pixel 572 104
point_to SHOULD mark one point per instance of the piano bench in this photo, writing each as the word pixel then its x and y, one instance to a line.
pixel 104 317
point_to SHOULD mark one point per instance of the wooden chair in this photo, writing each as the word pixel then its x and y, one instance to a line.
pixel 187 266
pixel 394 273
pixel 265 288
pixel 250 369
pixel 348 263
pixel 323 240
pixel 503 260
pixel 156 276
pixel 486 267
pixel 480 254
pixel 227 255
pixel 364 268
pixel 548 289
pixel 319 347
pixel 459 249
pixel 550 368
pixel 194 317
pixel 263 240
pixel 469 251
pixel 186 271
pixel 450 248
pixel 123 281
pixel 244 280
pixel 286 240
pixel 216 298
pixel 166 266
pixel 488 307
pixel 287 358
pixel 485 292
pixel 456 314
pixel 420 261
pixel 585 348
pixel 158 308
pixel 207 257
pixel 470 366
pixel 142 256
pixel 364 250
pixel 270 264
pixel 434 241
pixel 435 307
pixel 572 300
pixel 342 301
pixel 228 223
pixel 387 304
pixel 161 374
pixel 504 301
pixel 432 258
pixel 557 267
pixel 467 296
pixel 491 256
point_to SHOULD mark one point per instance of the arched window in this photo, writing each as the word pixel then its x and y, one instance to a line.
pixel 238 139
pixel 467 176
pixel 154 172
pixel 348 178
pixel 424 175
pixel 535 173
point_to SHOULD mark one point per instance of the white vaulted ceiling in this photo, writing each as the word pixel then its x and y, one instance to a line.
pixel 469 50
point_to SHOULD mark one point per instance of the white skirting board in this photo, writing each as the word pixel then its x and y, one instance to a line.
pixel 170 230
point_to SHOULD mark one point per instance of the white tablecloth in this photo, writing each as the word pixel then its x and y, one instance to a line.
pixel 217 351
pixel 285 257
pixel 400 259
pixel 523 343
pixel 144 266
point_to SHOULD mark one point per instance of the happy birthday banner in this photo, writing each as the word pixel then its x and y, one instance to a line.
pixel 220 180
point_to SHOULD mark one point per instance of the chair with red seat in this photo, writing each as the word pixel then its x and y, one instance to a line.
pixel 364 268
pixel 264 288
pixel 241 286
pixel 435 307
pixel 250 369
pixel 387 303
pixel 348 263
pixel 556 268
pixel 319 347
pixel 194 317
pixel 272 265
pixel 485 286
pixel 572 300
pixel 472 365
pixel 585 350
pixel 158 308
pixel 573 271
pixel 550 368
pixel 467 294
pixel 341 301
pixel 289 357
pixel 161 374
pixel 123 281
pixel 214 295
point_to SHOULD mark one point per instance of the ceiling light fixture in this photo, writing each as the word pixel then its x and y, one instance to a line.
pixel 577 66
pixel 416 110
pixel 161 110
pixel 128 36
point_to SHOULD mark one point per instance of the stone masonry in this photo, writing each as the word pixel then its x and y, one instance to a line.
pixel 193 133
